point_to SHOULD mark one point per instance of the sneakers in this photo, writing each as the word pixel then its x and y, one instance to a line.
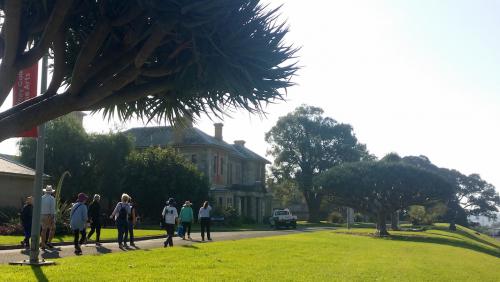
pixel 78 251
pixel 120 245
pixel 165 244
pixel 189 237
pixel 132 244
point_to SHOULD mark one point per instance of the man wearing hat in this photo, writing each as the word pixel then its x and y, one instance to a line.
pixel 78 220
pixel 186 218
pixel 48 217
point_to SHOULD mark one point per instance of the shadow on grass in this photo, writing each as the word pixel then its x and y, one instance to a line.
pixel 190 246
pixel 102 250
pixel 470 236
pixel 50 254
pixel 444 241
pixel 40 276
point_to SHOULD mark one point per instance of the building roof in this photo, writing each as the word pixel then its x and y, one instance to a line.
pixel 164 136
pixel 8 166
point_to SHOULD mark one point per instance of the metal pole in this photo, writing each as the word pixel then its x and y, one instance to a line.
pixel 37 188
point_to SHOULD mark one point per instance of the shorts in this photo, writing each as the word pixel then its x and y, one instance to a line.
pixel 48 221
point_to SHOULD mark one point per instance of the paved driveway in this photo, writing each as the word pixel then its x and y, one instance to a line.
pixel 7 256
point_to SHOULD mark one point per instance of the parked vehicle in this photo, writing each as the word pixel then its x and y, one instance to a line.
pixel 283 218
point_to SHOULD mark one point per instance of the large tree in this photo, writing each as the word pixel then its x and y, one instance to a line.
pixel 93 161
pixel 473 195
pixel 304 143
pixel 154 175
pixel 145 58
pixel 66 149
pixel 381 188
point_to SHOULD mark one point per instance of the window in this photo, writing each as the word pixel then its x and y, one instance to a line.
pixel 215 170
pixel 221 166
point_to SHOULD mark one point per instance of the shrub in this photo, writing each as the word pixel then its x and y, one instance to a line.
pixel 336 217
pixel 358 217
pixel 11 229
pixel 231 217
pixel 9 215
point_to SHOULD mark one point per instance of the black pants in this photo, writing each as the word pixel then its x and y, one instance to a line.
pixel 95 226
pixel 130 231
pixel 187 228
pixel 78 241
pixel 122 226
pixel 205 225
pixel 170 234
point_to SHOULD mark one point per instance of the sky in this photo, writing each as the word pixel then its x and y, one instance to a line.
pixel 411 77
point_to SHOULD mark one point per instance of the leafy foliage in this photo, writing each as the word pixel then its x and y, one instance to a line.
pixel 154 175
pixel 380 188
pixel 155 59
pixel 304 143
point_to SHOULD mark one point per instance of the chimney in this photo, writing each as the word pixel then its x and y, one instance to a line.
pixel 218 131
pixel 180 126
pixel 239 143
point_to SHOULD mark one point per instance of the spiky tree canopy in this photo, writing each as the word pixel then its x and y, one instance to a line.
pixel 150 58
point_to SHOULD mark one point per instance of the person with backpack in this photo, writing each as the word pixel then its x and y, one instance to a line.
pixel 132 220
pixel 204 217
pixel 78 220
pixel 26 217
pixel 95 219
pixel 169 215
pixel 186 218
pixel 120 214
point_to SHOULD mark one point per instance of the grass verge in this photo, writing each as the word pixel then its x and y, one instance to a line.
pixel 311 256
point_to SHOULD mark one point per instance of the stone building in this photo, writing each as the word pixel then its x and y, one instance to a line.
pixel 236 173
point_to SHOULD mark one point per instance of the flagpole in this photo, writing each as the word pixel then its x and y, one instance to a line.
pixel 38 186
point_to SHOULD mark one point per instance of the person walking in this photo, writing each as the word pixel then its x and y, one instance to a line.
pixel 26 217
pixel 204 217
pixel 95 219
pixel 48 217
pixel 169 215
pixel 132 221
pixel 78 220
pixel 186 218
pixel 120 214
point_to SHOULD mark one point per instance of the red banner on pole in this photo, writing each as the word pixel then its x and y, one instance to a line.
pixel 25 88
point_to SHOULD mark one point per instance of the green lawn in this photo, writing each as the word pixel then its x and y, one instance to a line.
pixel 309 256
pixel 106 233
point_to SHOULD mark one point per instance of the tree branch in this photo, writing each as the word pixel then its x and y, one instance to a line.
pixel 11 29
pixel 129 16
pixel 59 64
pixel 132 93
pixel 56 19
pixel 87 55
pixel 150 46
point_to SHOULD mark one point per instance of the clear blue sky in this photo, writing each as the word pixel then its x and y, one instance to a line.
pixel 412 77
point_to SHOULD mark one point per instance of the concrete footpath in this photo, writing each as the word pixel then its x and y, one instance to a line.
pixel 7 256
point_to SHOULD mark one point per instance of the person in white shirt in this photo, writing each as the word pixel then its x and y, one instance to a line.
pixel 48 217
pixel 170 215
pixel 204 218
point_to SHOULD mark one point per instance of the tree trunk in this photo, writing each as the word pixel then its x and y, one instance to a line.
pixel 395 220
pixel 313 212
pixel 381 225
pixel 452 226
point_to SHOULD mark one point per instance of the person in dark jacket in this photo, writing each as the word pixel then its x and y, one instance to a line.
pixel 132 221
pixel 95 219
pixel 26 216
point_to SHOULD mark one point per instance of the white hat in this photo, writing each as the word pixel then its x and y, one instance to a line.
pixel 48 189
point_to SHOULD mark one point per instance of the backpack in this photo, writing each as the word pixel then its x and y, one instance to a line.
pixel 122 213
